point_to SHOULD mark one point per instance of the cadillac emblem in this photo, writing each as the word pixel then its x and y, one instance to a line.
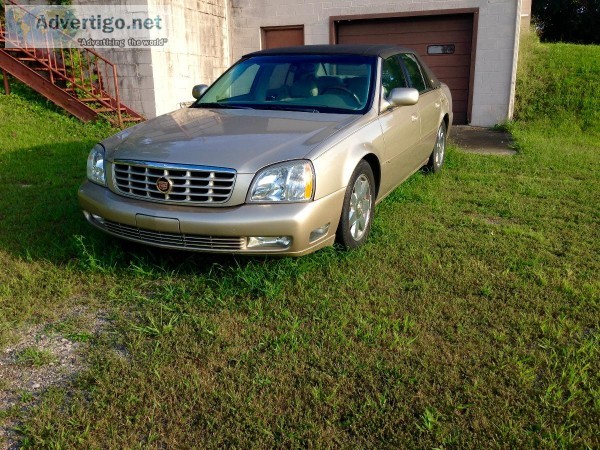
pixel 164 185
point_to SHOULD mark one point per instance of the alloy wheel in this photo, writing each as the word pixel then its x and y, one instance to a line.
pixel 360 207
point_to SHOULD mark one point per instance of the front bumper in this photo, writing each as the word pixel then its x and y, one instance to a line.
pixel 212 229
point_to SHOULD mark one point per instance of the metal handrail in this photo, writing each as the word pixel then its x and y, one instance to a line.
pixel 92 51
pixel 79 68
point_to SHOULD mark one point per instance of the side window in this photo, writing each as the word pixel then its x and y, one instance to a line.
pixel 415 72
pixel 392 75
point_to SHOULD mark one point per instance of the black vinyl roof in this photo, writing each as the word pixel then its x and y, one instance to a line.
pixel 383 51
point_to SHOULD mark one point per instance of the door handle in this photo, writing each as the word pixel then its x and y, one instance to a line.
pixel 414 117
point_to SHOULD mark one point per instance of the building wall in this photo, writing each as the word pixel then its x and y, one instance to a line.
pixel 135 76
pixel 197 51
pixel 525 15
pixel 157 80
pixel 497 37
pixel 134 68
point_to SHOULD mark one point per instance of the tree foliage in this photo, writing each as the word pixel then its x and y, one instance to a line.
pixel 575 21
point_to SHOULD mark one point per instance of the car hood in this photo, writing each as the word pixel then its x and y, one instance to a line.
pixel 241 139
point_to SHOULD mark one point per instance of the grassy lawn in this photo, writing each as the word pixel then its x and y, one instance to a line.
pixel 469 320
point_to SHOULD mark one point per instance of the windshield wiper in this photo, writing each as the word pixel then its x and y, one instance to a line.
pixel 288 108
pixel 220 105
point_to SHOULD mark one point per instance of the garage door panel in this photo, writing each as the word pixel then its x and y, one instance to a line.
pixel 400 38
pixel 460 48
pixel 447 70
pixel 408 25
pixel 459 95
pixel 456 84
pixel 460 98
pixel 455 61
pixel 461 105
pixel 460 117
pixel 418 33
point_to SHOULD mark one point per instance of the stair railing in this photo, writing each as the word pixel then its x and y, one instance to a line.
pixel 81 71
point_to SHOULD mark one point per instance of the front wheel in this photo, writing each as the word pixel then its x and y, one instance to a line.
pixel 358 208
pixel 436 159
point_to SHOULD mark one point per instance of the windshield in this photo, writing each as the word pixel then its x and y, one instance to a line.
pixel 314 83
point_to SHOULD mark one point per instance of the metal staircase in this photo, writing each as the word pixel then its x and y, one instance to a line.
pixel 79 80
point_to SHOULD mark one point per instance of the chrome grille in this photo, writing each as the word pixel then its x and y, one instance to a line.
pixel 188 184
pixel 176 240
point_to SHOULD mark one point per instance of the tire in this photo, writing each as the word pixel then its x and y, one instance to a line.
pixel 357 215
pixel 438 155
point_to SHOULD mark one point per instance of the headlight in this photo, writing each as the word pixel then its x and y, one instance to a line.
pixel 95 165
pixel 291 181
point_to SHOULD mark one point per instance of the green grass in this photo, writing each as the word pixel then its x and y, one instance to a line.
pixel 32 356
pixel 469 320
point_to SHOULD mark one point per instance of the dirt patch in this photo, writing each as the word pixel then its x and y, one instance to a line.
pixel 44 356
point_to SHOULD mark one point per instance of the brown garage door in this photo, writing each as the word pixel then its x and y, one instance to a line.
pixel 444 42
pixel 273 37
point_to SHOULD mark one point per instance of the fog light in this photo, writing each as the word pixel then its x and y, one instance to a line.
pixel 318 232
pixel 98 219
pixel 269 241
pixel 94 218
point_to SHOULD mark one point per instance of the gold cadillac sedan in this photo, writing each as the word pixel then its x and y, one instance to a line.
pixel 286 153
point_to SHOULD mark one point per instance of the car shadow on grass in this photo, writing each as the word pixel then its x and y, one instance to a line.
pixel 40 216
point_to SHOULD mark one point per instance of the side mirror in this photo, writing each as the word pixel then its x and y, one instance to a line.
pixel 198 90
pixel 403 97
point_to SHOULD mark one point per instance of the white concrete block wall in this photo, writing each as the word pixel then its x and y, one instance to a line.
pixel 197 51
pixel 497 37
pixel 134 69
pixel 135 77
pixel 525 15
pixel 156 80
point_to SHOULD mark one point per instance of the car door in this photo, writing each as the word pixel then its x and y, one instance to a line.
pixel 400 127
pixel 429 106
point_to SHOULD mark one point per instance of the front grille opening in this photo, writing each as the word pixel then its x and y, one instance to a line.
pixel 189 185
